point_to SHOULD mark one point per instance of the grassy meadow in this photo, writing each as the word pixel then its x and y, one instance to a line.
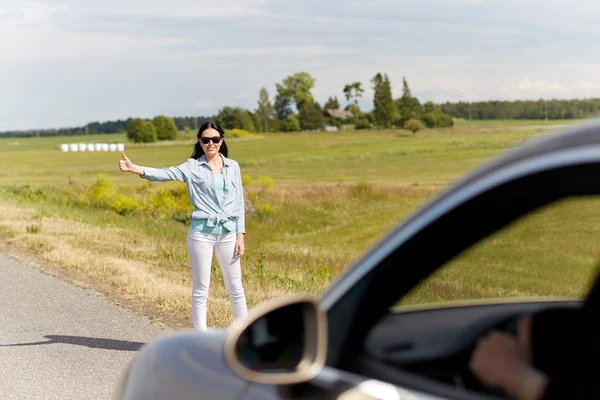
pixel 321 200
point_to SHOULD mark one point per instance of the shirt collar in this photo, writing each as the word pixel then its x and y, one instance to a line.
pixel 226 162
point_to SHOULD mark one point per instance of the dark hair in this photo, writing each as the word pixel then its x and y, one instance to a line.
pixel 199 151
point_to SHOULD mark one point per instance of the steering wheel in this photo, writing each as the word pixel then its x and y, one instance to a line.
pixel 510 325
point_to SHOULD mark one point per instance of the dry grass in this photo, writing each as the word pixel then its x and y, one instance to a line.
pixel 119 263
pixel 340 193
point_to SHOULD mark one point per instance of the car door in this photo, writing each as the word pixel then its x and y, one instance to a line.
pixel 334 383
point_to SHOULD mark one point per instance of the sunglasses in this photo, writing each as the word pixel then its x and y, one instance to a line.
pixel 215 139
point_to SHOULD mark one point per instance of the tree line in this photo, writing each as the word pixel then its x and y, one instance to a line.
pixel 531 109
pixel 293 108
pixel 118 126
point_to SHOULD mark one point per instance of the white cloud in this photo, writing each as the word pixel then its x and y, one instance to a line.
pixel 31 12
pixel 279 51
pixel 532 88
pixel 540 86
pixel 143 57
pixel 184 9
pixel 35 43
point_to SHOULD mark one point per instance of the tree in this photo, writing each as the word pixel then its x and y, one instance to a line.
pixel 297 88
pixel 384 109
pixel 243 120
pixel 353 91
pixel 265 109
pixel 408 105
pixel 332 104
pixel 226 118
pixel 291 124
pixel 165 128
pixel 354 109
pixel 258 124
pixel 430 107
pixel 282 107
pixel 230 118
pixel 311 116
pixel 141 131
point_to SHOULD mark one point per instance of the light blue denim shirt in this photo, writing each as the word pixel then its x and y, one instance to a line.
pixel 198 177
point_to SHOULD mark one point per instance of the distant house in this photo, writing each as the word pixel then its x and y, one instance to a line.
pixel 339 113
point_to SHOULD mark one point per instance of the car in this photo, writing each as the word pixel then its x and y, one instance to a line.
pixel 350 342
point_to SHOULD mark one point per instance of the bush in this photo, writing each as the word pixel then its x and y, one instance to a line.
pixel 366 191
pixel 167 201
pixel 32 228
pixel 124 205
pixel 362 190
pixel 437 119
pixel 275 125
pixel 140 131
pixel 291 124
pixel 246 180
pixel 237 133
pixel 264 210
pixel 165 128
pixel 101 192
pixel 363 123
pixel 266 182
pixel 445 121
pixel 414 125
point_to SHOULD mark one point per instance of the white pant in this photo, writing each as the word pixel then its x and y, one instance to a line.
pixel 200 249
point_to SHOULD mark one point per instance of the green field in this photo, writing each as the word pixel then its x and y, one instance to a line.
pixel 321 200
pixel 431 158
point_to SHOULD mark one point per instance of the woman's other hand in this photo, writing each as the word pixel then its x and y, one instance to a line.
pixel 239 246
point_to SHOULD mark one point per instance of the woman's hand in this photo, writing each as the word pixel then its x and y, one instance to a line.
pixel 125 165
pixel 239 246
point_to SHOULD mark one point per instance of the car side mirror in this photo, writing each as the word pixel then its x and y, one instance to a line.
pixel 280 342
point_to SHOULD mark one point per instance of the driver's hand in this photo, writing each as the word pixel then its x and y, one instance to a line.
pixel 498 362
pixel 495 359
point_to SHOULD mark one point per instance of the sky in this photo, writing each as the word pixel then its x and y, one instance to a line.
pixel 67 63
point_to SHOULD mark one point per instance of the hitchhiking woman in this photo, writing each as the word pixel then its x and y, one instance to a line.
pixel 214 186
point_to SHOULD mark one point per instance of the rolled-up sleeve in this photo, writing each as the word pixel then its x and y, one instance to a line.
pixel 175 173
pixel 241 221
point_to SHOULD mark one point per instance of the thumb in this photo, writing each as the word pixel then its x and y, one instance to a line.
pixel 125 157
pixel 524 327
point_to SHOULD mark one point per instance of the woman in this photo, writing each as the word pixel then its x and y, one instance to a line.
pixel 214 185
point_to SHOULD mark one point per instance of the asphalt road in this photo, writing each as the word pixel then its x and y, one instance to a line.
pixel 58 341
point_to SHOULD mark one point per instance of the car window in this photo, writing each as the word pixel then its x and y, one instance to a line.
pixel 553 251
